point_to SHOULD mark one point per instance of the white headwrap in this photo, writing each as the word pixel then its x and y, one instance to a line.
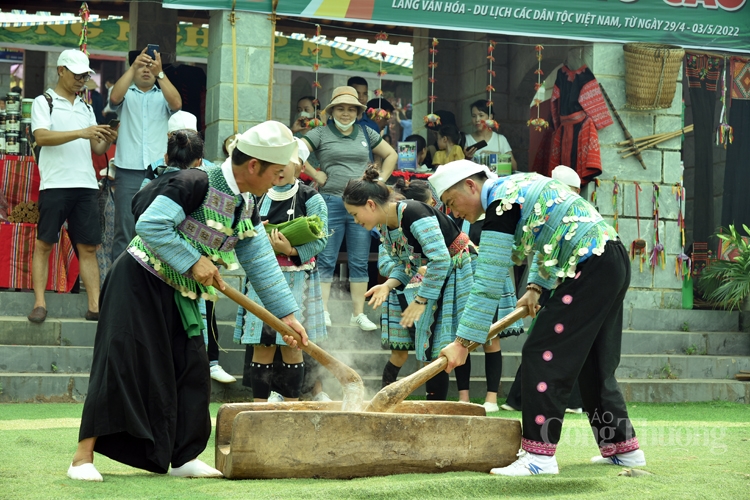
pixel 448 175
pixel 567 176
pixel 270 141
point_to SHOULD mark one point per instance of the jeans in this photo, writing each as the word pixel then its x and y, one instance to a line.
pixel 340 223
pixel 127 183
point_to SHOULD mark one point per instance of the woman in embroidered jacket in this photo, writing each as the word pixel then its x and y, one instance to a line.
pixel 578 333
pixel 288 200
pixel 148 395
pixel 416 234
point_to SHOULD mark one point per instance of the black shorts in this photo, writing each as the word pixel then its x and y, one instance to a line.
pixel 79 206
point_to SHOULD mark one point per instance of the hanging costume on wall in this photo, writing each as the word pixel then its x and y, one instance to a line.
pixel 149 388
pixel 578 111
pixel 736 202
pixel 703 73
pixel 578 333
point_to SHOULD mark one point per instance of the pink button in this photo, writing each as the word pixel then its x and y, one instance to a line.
pixel 547 356
pixel 540 419
pixel 578 275
pixel 541 386
pixel 559 328
pixel 567 299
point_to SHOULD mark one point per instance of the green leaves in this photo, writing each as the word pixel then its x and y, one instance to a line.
pixel 727 282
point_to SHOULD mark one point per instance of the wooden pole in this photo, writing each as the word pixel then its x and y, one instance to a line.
pixel 269 110
pixel 390 396
pixel 629 137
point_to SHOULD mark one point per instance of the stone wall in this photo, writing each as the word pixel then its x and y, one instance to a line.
pixel 461 78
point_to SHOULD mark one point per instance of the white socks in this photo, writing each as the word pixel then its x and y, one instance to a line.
pixel 195 468
pixel 84 472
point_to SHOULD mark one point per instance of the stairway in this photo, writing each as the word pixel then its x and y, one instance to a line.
pixel 667 355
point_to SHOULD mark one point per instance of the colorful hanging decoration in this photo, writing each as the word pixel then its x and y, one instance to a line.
pixel 538 123
pixel 683 264
pixel 490 124
pixel 615 193
pixel 381 36
pixel 594 197
pixel 638 246
pixel 316 122
pixel 85 14
pixel 658 256
pixel 379 112
pixel 724 132
pixel 432 120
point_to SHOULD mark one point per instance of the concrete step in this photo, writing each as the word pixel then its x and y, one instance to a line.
pixel 24 387
pixel 681 320
pixel 74 360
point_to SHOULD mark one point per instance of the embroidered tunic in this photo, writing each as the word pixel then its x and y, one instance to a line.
pixel 426 236
pixel 578 111
pixel 529 213
pixel 300 271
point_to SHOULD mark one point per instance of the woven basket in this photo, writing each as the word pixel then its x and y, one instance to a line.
pixel 651 74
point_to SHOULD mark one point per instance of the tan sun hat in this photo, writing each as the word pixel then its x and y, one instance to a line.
pixel 344 95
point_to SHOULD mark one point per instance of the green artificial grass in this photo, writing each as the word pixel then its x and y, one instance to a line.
pixel 694 450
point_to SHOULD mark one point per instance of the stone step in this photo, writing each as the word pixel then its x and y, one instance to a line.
pixel 78 332
pixel 74 360
pixel 25 387
pixel 75 305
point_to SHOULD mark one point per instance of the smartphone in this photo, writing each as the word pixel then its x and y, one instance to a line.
pixel 114 123
pixel 479 145
pixel 151 50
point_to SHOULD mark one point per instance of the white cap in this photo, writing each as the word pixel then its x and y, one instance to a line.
pixel 304 151
pixel 270 141
pixel 75 60
pixel 567 176
pixel 448 175
pixel 182 120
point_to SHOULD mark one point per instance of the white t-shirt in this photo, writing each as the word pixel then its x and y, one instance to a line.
pixel 497 144
pixel 68 165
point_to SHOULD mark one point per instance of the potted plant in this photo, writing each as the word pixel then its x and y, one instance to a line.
pixel 726 281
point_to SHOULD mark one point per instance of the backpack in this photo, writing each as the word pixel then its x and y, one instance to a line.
pixel 35 148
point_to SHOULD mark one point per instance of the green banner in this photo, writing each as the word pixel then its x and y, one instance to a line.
pixel 192 41
pixel 710 24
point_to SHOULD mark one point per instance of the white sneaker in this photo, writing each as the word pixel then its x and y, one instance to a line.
pixel 218 374
pixel 321 397
pixel 529 464
pixel 327 318
pixel 275 397
pixel 629 459
pixel 573 410
pixel 363 322
pixel 508 407
pixel 490 407
pixel 84 472
pixel 195 468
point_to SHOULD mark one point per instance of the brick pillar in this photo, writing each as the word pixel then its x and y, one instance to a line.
pixel 151 23
pixel 253 32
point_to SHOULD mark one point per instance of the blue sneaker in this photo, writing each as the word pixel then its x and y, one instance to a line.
pixel 528 464
pixel 629 459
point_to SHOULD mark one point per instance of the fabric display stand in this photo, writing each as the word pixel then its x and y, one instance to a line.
pixel 19 182
pixel 736 202
pixel 703 72
pixel 409 176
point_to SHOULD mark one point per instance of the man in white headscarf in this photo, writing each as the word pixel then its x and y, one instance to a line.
pixel 149 389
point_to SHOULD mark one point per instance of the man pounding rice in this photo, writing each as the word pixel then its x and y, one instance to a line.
pixel 578 333
pixel 149 390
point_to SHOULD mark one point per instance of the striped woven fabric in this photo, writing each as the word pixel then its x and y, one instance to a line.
pixel 16 251
pixel 19 179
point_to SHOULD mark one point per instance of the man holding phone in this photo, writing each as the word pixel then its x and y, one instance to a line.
pixel 144 110
pixel 65 127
